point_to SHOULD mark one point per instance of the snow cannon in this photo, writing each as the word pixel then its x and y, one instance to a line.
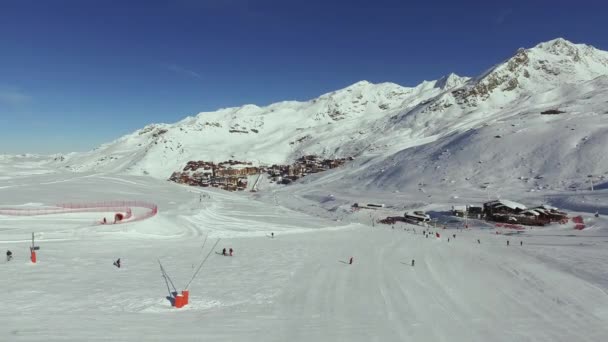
pixel 182 299
pixel 33 250
pixel 179 301
pixel 186 295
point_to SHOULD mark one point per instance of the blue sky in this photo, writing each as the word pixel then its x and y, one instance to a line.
pixel 75 74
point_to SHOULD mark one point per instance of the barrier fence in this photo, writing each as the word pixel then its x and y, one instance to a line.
pixel 97 207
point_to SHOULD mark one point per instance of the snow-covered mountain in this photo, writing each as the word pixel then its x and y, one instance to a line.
pixel 483 128
pixel 345 122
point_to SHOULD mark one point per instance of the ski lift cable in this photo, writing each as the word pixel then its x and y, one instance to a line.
pixel 202 263
pixel 204 241
pixel 166 282
pixel 166 276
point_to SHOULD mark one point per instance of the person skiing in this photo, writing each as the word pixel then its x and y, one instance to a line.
pixel 272 235
pixel 117 263
pixel 507 242
pixel 448 239
pixel 413 262
pixel 231 251
pixel 350 262
pixel 224 251
pixel 454 235
pixel 9 255
pixel 478 241
pixel 105 221
pixel 521 243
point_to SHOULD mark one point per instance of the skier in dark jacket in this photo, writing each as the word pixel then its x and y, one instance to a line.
pixel 117 263
pixel 413 262
pixel 224 251
pixel 9 255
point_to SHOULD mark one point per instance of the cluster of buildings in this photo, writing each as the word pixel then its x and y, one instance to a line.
pixel 303 166
pixel 232 175
pixel 506 211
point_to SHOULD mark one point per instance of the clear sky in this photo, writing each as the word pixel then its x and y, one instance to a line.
pixel 75 74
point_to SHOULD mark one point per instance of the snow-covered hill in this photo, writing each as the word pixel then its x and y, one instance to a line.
pixel 486 127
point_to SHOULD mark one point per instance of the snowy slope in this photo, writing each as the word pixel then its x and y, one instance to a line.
pixel 296 286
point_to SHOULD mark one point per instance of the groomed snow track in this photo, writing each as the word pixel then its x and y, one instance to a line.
pixel 123 207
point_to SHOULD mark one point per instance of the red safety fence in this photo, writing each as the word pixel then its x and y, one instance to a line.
pixel 98 207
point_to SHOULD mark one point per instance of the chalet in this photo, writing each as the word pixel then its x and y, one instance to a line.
pixel 503 207
pixel 550 214
pixel 509 211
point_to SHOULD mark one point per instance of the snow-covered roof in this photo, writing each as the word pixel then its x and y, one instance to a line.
pixel 509 204
pixel 533 212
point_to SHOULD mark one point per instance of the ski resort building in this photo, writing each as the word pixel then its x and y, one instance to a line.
pixel 513 212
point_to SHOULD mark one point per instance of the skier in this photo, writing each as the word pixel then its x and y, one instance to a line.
pixel 272 235
pixel 231 251
pixel 117 263
pixel 597 214
pixel 224 251
pixel 507 242
pixel 448 239
pixel 454 235
pixel 105 221
pixel 478 241
pixel 350 262
pixel 412 262
pixel 9 255
pixel 521 243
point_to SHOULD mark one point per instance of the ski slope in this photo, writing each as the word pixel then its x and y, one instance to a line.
pixel 296 286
